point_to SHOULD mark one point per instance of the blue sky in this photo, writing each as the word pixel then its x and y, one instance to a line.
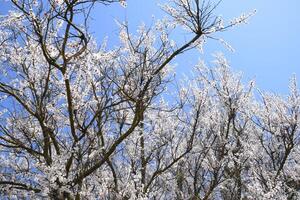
pixel 266 49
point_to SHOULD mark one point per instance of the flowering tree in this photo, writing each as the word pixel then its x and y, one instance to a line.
pixel 81 121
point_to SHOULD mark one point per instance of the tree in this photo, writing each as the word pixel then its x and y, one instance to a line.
pixel 81 121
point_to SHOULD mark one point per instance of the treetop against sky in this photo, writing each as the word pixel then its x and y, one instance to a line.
pixel 265 48
pixel 88 117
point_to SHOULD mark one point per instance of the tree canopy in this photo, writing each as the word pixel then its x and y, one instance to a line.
pixel 79 120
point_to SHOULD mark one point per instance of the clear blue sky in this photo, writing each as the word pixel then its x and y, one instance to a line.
pixel 267 48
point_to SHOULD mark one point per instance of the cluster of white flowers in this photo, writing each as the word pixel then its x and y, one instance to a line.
pixel 123 3
pixel 242 19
